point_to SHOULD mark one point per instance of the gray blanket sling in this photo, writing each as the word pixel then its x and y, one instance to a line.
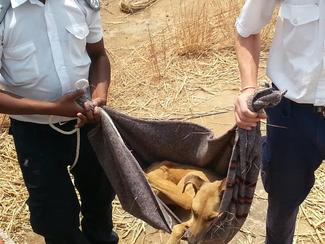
pixel 125 146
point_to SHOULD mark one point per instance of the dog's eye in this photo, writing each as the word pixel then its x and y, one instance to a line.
pixel 195 215
pixel 211 218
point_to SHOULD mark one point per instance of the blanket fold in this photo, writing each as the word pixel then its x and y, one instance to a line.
pixel 125 146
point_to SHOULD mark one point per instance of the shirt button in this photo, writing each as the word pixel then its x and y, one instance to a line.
pixel 295 21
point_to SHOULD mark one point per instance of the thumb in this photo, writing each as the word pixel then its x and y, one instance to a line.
pixel 76 94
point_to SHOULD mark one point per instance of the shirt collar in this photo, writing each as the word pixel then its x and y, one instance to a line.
pixel 17 3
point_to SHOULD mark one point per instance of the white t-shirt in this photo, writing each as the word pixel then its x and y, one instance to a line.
pixel 296 61
pixel 43 49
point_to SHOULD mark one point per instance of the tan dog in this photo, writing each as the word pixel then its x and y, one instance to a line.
pixel 193 189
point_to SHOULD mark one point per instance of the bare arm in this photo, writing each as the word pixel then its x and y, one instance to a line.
pixel 248 52
pixel 254 15
pixel 99 77
pixel 100 70
pixel 65 106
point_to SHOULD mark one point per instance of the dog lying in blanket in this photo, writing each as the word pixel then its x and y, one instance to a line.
pixel 193 189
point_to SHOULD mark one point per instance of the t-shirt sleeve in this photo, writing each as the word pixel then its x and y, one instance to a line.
pixel 93 20
pixel 254 15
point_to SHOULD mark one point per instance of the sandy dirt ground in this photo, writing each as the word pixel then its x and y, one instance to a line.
pixel 123 33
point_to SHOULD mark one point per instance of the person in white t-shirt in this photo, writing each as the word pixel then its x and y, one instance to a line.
pixel 48 45
pixel 295 145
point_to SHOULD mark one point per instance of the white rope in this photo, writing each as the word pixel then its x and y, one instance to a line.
pixel 81 84
pixel 112 124
pixel 75 130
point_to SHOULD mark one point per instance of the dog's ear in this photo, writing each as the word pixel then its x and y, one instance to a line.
pixel 195 180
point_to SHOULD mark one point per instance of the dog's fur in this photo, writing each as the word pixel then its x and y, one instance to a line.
pixel 193 189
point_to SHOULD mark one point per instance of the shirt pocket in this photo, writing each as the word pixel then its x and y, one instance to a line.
pixel 77 34
pixel 301 39
pixel 20 64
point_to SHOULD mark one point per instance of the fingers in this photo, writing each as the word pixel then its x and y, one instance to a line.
pixel 243 124
pixel 76 94
pixel 91 114
pixel 245 118
pixel 96 114
pixel 89 108
pixel 82 120
pixel 99 102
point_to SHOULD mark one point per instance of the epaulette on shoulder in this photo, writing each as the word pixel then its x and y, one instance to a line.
pixel 93 4
pixel 4 6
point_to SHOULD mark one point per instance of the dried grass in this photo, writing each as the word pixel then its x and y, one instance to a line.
pixel 312 213
pixel 13 195
pixel 193 31
pixel 4 121
pixel 126 225
pixel 177 73
pixel 182 67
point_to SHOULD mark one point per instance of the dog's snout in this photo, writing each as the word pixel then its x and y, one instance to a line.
pixel 192 239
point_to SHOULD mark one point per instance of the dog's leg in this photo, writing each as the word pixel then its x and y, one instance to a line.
pixel 172 192
pixel 178 232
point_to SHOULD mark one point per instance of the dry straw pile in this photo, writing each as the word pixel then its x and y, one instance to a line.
pixel 177 73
